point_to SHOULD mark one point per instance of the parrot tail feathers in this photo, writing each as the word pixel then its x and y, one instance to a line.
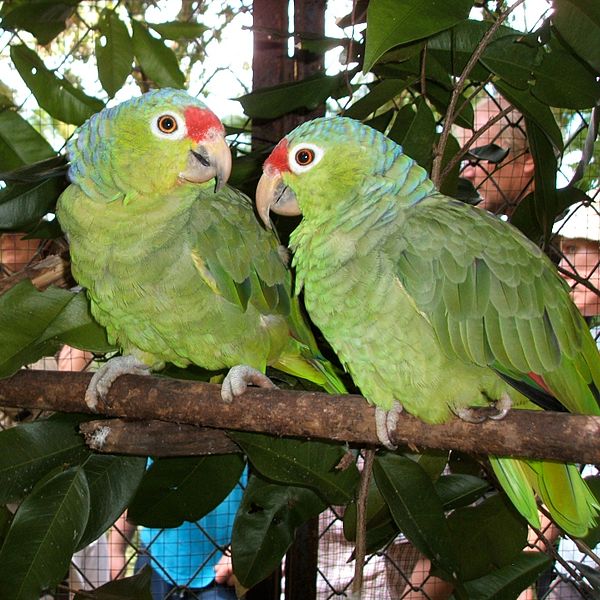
pixel 567 496
pixel 514 480
pixel 561 488
pixel 316 369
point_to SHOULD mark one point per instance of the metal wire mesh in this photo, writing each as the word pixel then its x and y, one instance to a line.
pixel 396 571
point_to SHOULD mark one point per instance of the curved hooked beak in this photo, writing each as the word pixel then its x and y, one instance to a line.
pixel 211 158
pixel 273 195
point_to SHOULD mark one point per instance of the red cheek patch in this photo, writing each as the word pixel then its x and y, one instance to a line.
pixel 199 121
pixel 278 159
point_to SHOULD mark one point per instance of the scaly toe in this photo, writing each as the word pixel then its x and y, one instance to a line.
pixel 385 422
pixel 108 373
pixel 239 377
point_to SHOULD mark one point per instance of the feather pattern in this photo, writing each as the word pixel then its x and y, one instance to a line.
pixel 174 271
pixel 433 303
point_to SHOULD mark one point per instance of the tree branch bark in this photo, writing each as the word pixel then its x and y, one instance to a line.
pixel 532 434
pixel 52 270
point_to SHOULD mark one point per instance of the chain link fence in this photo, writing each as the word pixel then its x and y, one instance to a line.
pixel 499 168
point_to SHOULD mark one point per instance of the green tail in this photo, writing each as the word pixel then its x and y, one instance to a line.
pixel 302 357
pixel 301 361
pixel 560 487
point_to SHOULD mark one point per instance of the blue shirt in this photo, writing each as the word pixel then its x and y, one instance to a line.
pixel 187 554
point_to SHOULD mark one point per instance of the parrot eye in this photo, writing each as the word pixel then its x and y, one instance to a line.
pixel 167 123
pixel 169 126
pixel 304 157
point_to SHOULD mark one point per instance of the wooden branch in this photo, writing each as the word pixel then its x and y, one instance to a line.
pixel 52 270
pixel 155 438
pixel 534 434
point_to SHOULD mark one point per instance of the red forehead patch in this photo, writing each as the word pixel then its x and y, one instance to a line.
pixel 278 159
pixel 199 121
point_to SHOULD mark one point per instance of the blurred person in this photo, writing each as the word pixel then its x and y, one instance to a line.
pixel 504 184
pixel 579 234
pixel 17 252
pixel 188 562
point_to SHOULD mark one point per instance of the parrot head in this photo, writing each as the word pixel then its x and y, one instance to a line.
pixel 149 144
pixel 320 162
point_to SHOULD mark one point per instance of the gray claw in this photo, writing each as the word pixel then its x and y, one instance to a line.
pixel 239 377
pixel 502 406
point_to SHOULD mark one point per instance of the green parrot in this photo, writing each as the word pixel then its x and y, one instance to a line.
pixel 431 304
pixel 176 265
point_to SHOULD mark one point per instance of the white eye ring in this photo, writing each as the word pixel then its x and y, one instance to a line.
pixel 179 130
pixel 303 157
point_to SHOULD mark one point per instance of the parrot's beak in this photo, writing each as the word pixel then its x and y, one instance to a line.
pixel 273 195
pixel 211 158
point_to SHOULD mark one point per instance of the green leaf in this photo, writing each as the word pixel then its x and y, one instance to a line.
pixel 416 508
pixel 378 95
pixel 20 143
pixel 59 98
pixel 415 132
pixel 179 30
pixel 167 495
pixel 112 481
pixel 545 198
pixel 578 23
pixel 24 204
pixel 29 451
pixel 5 520
pixel 460 490
pixel 158 62
pixel 390 23
pixel 265 526
pixel 549 87
pixel 35 324
pixel 381 122
pixel 453 48
pixel 510 580
pixel 531 107
pixel 510 58
pixel 45 19
pixel 487 536
pixel 43 535
pixel 320 44
pixel 114 52
pixel 272 102
pixel 591 574
pixel 136 587
pixel 592 539
pixel 302 463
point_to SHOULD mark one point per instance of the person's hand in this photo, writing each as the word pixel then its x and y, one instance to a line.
pixel 224 571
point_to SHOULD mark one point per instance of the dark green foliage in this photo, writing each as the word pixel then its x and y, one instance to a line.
pixel 414 51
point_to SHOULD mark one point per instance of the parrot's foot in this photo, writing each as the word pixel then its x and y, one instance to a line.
pixel 108 373
pixel 470 415
pixel 479 415
pixel 239 378
pixel 386 421
pixel 502 406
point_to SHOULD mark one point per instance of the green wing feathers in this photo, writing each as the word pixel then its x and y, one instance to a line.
pixel 494 299
pixel 243 262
